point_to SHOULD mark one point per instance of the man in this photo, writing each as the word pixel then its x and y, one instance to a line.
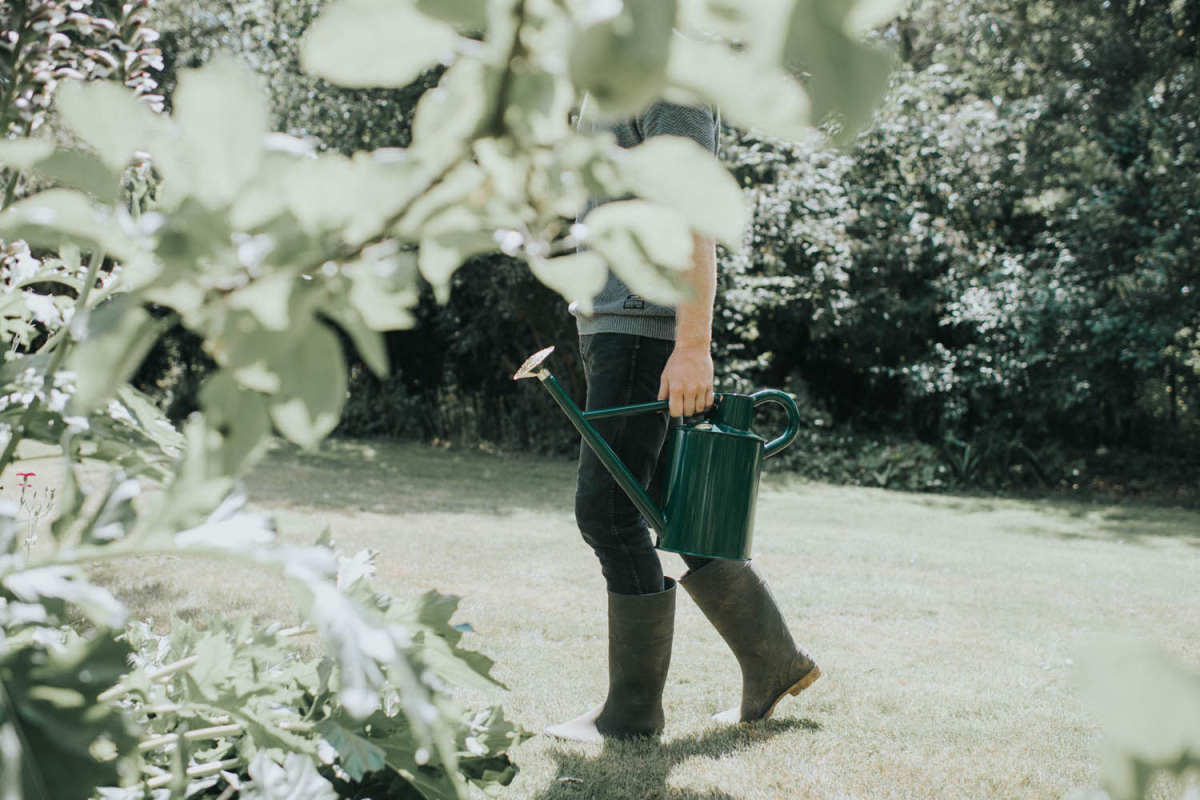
pixel 635 351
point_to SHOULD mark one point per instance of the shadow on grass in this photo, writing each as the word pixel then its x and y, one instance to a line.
pixel 404 478
pixel 1070 520
pixel 639 770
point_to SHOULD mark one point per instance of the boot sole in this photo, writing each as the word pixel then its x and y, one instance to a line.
pixel 808 680
pixel 799 686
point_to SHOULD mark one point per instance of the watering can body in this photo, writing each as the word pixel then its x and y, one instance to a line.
pixel 710 490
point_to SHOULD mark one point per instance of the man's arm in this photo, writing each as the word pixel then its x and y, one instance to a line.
pixel 687 379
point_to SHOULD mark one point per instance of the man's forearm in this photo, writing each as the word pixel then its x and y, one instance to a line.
pixel 687 379
pixel 694 315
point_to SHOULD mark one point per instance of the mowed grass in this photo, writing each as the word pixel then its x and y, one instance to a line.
pixel 946 627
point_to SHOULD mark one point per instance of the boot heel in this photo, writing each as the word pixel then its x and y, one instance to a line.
pixel 805 682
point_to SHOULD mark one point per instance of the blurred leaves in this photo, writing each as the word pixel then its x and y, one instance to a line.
pixel 51 726
pixel 620 59
pixel 312 390
pixel 1148 705
pixel 847 76
pixel 378 42
pixel 675 172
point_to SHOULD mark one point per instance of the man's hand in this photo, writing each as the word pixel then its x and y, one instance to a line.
pixel 687 381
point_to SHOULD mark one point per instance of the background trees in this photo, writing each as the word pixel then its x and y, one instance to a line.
pixel 996 281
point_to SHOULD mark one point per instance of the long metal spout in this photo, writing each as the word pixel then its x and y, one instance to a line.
pixel 624 478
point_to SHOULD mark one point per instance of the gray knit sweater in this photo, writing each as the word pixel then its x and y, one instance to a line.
pixel 616 309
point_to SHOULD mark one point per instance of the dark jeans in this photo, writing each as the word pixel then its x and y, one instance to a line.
pixel 623 369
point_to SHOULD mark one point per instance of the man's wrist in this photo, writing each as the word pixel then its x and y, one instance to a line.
pixel 693 344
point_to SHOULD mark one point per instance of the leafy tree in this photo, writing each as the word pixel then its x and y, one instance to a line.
pixel 1004 264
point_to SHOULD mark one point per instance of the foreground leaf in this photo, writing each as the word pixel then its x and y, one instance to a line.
pixel 647 245
pixel 313 389
pixel 621 60
pixel 1149 707
pixel 848 76
pixel 374 43
pixel 120 334
pixel 676 172
pixel 49 218
pixel 222 117
pixel 749 93
pixel 356 755
pixel 48 709
pixel 108 117
pixel 297 779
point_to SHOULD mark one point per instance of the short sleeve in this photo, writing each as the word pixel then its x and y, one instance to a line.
pixel 698 123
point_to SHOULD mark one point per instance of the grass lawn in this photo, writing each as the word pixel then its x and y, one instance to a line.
pixel 946 627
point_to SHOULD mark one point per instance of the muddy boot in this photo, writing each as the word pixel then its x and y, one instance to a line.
pixel 640 629
pixel 737 601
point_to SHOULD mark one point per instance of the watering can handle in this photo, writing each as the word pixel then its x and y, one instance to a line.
pixel 793 427
pixel 624 411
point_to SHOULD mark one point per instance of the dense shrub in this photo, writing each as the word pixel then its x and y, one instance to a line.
pixel 1003 265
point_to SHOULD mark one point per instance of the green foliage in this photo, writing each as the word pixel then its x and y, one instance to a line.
pixel 839 455
pixel 236 695
pixel 453 379
pixel 352 44
pixel 1002 267
pixel 621 59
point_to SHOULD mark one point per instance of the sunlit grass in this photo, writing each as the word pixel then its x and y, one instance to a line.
pixel 946 628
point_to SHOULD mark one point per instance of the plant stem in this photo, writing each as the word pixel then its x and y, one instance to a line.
pixel 11 192
pixel 112 693
pixel 214 732
pixel 200 734
pixel 198 771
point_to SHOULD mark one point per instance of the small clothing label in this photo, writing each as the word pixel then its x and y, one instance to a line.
pixel 633 301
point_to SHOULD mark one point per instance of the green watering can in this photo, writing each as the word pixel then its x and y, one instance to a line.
pixel 711 485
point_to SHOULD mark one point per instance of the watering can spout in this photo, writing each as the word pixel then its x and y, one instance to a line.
pixel 532 368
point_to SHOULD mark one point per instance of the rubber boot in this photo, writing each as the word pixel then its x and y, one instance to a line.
pixel 640 630
pixel 737 601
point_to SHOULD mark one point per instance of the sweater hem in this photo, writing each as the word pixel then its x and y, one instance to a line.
pixel 657 327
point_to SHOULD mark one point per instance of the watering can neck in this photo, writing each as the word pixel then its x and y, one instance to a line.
pixel 732 411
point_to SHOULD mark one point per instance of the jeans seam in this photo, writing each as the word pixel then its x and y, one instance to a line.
pixel 612 489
